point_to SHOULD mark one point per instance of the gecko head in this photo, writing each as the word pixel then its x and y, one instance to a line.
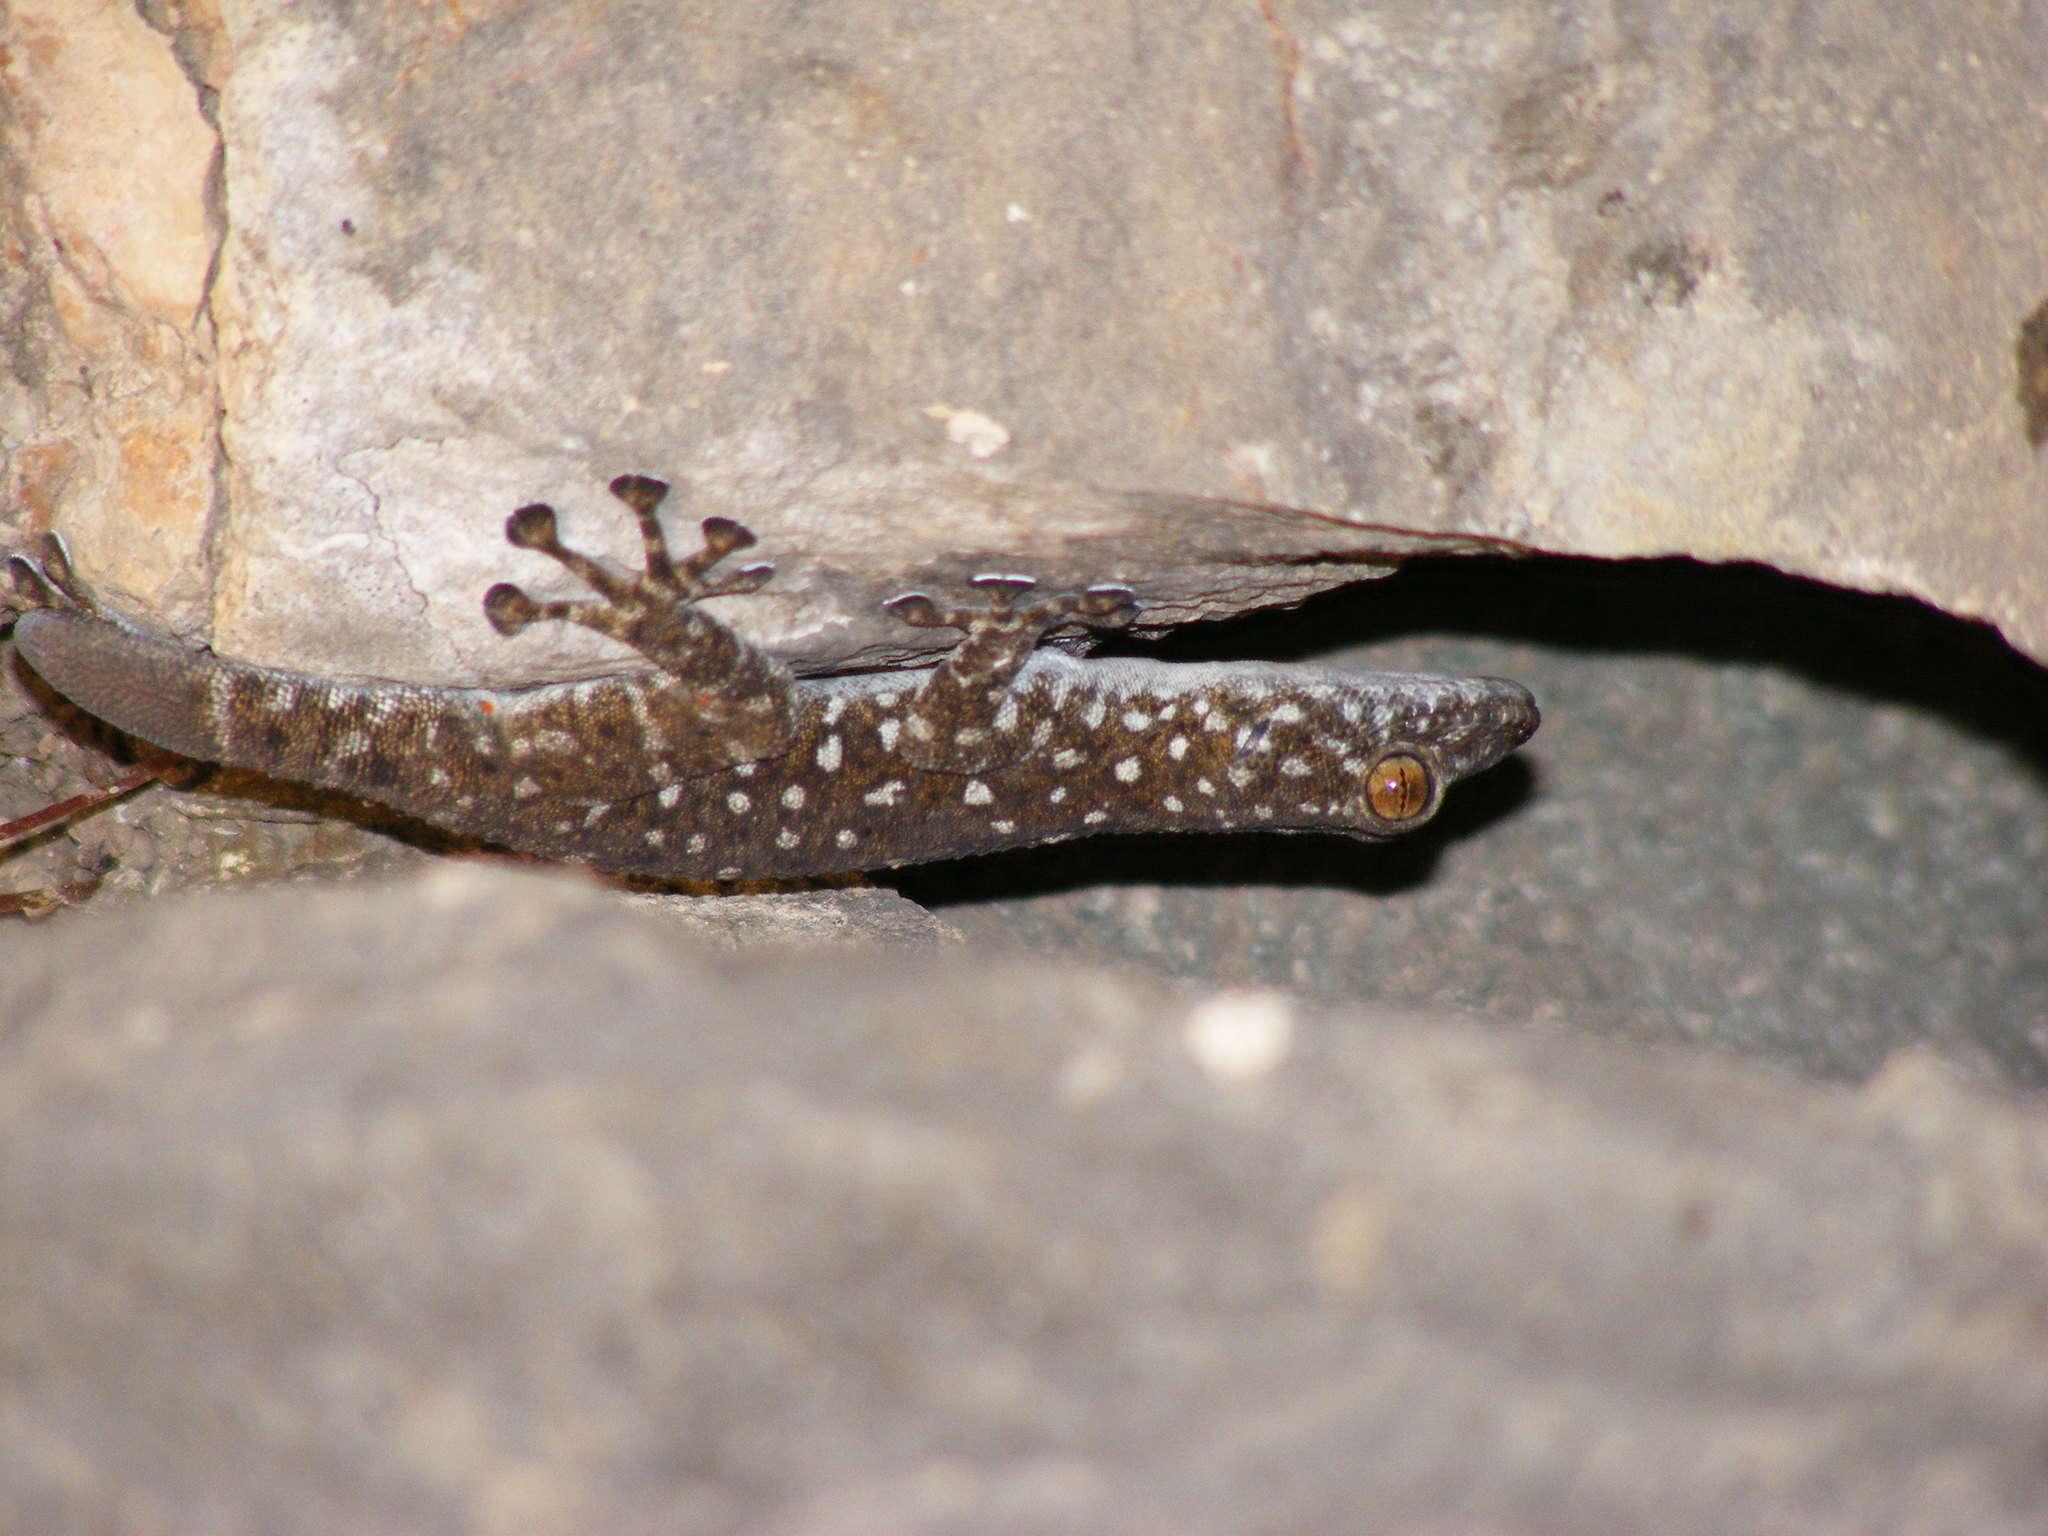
pixel 1440 730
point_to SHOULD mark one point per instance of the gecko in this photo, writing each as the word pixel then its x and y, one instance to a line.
pixel 716 761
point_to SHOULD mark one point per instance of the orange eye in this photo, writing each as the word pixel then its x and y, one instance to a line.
pixel 1397 786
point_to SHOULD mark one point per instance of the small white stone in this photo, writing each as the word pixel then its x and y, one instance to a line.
pixel 1239 1036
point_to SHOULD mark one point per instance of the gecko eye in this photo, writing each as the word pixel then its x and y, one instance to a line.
pixel 1399 786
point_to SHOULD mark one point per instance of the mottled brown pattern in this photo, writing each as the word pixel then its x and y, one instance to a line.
pixel 719 764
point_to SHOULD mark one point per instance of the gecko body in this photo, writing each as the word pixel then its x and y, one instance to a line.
pixel 718 763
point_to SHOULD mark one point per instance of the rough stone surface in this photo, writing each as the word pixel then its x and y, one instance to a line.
pixel 478 1202
pixel 1173 295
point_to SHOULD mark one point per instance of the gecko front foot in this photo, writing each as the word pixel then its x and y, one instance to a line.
pixel 1101 607
pixel 962 713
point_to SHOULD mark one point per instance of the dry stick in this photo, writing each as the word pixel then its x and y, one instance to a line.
pixel 12 832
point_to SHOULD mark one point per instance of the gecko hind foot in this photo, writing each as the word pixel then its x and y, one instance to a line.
pixel 662 581
pixel 961 717
pixel 43 578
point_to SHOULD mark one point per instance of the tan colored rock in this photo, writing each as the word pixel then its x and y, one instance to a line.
pixel 110 408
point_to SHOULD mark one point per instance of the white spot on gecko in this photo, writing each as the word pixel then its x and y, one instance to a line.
pixel 1127 771
pixel 830 751
pixel 1177 748
pixel 793 797
pixel 736 802
pixel 977 793
pixel 886 795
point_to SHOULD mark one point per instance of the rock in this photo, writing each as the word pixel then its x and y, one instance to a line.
pixel 481 1201
pixel 1184 302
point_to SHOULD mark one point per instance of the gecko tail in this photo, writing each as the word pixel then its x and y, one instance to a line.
pixel 338 735
pixel 148 685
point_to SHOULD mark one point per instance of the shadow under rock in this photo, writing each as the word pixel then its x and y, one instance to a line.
pixel 1895 650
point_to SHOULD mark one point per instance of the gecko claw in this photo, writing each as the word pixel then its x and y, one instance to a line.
pixel 643 493
pixel 509 609
pixel 723 536
pixel 748 579
pixel 918 611
pixel 533 527
pixel 1003 590
pixel 1106 607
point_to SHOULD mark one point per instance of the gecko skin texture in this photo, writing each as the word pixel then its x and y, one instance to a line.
pixel 718 763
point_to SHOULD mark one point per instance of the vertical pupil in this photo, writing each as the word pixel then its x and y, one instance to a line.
pixel 1397 787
